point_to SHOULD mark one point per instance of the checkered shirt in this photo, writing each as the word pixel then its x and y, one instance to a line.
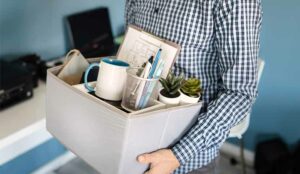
pixel 219 45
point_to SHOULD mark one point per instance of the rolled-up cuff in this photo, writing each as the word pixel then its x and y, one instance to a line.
pixel 183 152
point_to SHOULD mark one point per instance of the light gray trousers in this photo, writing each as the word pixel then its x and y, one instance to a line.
pixel 211 168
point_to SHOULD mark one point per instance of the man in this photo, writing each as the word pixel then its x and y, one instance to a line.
pixel 219 45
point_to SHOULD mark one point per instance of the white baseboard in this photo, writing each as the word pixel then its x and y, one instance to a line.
pixel 22 141
pixel 56 163
pixel 233 151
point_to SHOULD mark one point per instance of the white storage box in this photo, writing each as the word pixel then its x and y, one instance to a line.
pixel 106 137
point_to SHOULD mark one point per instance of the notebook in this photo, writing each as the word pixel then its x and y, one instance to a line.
pixel 139 45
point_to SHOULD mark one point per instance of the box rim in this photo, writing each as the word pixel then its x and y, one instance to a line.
pixel 88 96
pixel 50 72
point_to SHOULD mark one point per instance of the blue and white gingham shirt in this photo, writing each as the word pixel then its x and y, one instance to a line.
pixel 219 45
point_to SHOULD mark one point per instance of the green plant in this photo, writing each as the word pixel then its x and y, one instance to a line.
pixel 191 87
pixel 171 85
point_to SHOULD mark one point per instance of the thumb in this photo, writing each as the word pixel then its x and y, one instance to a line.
pixel 145 158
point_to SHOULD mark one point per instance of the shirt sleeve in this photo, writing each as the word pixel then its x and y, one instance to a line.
pixel 237 26
pixel 129 10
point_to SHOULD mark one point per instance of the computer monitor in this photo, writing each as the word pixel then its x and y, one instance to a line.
pixel 91 33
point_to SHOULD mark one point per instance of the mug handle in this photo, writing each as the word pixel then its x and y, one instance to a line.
pixel 86 84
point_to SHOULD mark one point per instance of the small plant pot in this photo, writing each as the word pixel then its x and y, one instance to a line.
pixel 185 99
pixel 169 100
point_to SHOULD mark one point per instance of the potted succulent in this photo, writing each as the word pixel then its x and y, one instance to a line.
pixel 170 94
pixel 190 91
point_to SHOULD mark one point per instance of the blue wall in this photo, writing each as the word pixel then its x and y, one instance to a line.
pixel 36 26
pixel 277 109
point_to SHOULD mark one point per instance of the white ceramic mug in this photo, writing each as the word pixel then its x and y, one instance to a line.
pixel 111 79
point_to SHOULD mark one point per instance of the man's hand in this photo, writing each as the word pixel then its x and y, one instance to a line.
pixel 161 162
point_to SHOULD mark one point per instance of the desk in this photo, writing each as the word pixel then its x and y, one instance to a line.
pixel 22 127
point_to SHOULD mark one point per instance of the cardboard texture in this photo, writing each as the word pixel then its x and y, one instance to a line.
pixel 107 138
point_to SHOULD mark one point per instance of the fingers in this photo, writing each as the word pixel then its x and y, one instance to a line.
pixel 146 158
pixel 152 171
pixel 157 170
pixel 161 161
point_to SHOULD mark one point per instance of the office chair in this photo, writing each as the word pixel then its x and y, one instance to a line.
pixel 238 130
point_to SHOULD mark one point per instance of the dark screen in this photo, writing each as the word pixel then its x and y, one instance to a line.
pixel 91 31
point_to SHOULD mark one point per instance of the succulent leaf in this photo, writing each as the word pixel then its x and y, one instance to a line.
pixel 172 83
pixel 164 84
pixel 191 87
